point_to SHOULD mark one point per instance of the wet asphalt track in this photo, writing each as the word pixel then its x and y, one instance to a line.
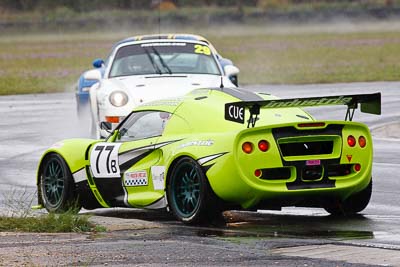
pixel 31 123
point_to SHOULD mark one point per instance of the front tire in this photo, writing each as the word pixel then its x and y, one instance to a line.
pixel 352 205
pixel 57 188
pixel 189 194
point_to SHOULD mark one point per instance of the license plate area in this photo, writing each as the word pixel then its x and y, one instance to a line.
pixel 307 148
pixel 311 172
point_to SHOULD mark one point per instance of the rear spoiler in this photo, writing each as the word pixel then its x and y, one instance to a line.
pixel 369 103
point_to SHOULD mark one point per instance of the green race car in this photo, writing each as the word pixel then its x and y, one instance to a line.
pixel 216 149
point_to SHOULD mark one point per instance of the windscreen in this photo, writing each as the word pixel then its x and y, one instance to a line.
pixel 164 58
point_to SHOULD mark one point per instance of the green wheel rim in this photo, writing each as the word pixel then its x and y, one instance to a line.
pixel 53 181
pixel 186 189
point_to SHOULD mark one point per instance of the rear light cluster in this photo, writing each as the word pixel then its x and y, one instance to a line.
pixel 357 167
pixel 352 141
pixel 248 147
pixel 362 141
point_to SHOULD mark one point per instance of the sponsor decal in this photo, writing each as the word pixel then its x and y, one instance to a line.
pixel 158 176
pixel 136 178
pixel 313 162
pixel 340 100
pixel 234 113
pixel 104 160
pixel 349 157
pixel 198 143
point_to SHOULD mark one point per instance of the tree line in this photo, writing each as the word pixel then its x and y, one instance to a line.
pixel 84 5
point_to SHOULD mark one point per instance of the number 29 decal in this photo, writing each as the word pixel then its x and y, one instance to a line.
pixel 202 49
pixel 104 160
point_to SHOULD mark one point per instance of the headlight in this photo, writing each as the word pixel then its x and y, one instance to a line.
pixel 118 98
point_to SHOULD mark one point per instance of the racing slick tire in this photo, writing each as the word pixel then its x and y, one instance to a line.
pixel 57 190
pixel 189 194
pixel 352 205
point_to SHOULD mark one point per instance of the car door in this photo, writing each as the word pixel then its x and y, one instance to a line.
pixel 123 168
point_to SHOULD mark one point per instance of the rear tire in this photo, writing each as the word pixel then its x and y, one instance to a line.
pixel 57 188
pixel 352 205
pixel 189 194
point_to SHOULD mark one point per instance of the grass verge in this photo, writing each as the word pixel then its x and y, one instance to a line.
pixel 18 216
pixel 49 223
pixel 288 54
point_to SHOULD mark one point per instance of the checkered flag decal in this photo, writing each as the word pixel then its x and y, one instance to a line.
pixel 135 182
pixel 136 178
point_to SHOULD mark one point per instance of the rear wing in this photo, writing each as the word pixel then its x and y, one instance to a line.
pixel 369 103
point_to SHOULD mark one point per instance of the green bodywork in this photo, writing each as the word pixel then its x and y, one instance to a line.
pixel 198 129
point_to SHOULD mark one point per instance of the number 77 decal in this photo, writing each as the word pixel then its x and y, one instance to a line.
pixel 104 160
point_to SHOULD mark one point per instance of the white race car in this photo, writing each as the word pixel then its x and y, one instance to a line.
pixel 150 67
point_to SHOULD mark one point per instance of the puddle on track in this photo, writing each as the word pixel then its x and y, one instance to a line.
pixel 258 231
pixel 275 225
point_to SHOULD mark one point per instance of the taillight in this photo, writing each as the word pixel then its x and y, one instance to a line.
pixel 263 145
pixel 357 167
pixel 362 141
pixel 351 141
pixel 257 173
pixel 247 147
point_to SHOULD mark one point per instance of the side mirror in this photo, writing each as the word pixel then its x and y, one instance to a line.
pixel 92 75
pixel 231 70
pixel 98 63
pixel 106 126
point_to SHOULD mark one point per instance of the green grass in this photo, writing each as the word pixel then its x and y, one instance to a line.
pixel 18 216
pixel 45 63
pixel 49 223
pixel 316 57
pixel 38 63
